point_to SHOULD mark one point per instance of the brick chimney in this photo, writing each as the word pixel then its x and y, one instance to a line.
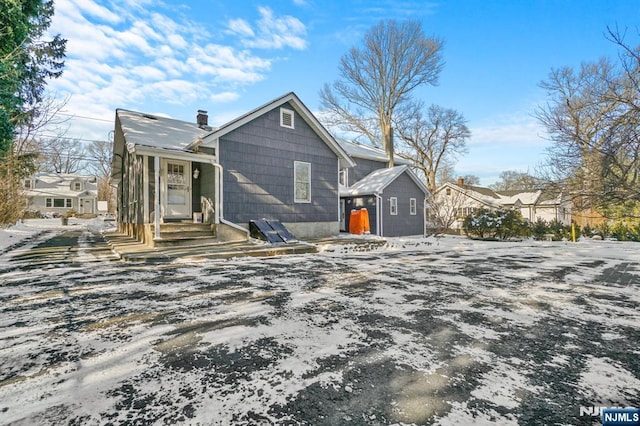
pixel 460 181
pixel 202 118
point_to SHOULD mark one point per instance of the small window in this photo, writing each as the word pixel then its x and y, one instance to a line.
pixel 302 182
pixel 448 191
pixel 412 206
pixel 286 118
pixel 77 186
pixel 27 184
pixel 393 206
pixel 343 177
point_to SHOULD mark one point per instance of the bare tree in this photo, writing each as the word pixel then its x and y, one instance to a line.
pixel 515 180
pixel 377 78
pixel 60 155
pixel 593 118
pixel 443 207
pixel 432 138
pixel 99 154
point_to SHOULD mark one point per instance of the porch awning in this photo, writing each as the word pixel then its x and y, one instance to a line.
pixel 173 154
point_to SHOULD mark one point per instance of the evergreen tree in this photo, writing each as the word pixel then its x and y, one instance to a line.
pixel 26 62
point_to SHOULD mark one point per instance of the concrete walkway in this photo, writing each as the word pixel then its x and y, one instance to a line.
pixel 129 249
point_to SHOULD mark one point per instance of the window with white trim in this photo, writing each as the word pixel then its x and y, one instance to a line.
pixel 301 182
pixel 286 118
pixel 343 176
pixel 26 184
pixel 77 186
pixel 59 202
pixel 393 206
pixel 413 206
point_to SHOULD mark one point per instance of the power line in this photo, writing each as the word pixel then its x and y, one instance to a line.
pixel 85 117
pixel 73 138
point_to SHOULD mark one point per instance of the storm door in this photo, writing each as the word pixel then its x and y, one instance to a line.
pixel 176 188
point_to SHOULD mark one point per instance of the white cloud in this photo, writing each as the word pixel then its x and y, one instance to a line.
pixel 240 27
pixel 509 130
pixel 224 97
pixel 135 54
pixel 95 10
pixel 147 72
pixel 272 32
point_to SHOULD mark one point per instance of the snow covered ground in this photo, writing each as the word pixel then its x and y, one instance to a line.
pixel 421 331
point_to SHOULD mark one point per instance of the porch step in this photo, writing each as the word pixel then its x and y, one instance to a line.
pixel 185 241
pixel 186 226
pixel 186 234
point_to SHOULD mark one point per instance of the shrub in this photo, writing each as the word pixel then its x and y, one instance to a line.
pixel 539 229
pixel 495 224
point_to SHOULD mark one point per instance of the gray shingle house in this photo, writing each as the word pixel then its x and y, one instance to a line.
pixel 275 162
pixel 394 197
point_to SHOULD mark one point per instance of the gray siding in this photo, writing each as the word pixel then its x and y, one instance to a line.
pixel 258 172
pixel 363 168
pixel 403 188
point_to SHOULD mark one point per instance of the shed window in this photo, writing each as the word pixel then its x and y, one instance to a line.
pixel 302 182
pixel 412 206
pixel 286 118
pixel 393 206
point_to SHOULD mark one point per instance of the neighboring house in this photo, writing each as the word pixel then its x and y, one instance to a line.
pixel 456 201
pixel 394 197
pixel 275 162
pixel 60 193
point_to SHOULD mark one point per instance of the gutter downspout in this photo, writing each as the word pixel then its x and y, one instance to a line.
pixel 379 214
pixel 156 198
pixel 219 213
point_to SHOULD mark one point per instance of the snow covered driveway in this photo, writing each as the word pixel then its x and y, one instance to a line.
pixel 422 331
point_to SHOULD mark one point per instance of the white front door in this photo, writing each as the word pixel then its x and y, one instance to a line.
pixel 176 188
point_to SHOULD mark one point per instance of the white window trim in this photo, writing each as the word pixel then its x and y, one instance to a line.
pixel 284 111
pixel 295 182
pixel 343 175
pixel 68 203
pixel 393 206
pixel 413 206
pixel 78 184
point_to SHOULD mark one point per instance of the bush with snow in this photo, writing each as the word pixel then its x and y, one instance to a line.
pixel 495 224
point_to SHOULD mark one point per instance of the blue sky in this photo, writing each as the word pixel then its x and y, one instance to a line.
pixel 174 57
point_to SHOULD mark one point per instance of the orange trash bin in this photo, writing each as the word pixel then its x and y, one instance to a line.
pixel 365 221
pixel 356 225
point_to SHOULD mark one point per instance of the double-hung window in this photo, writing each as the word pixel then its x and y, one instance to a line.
pixel 412 206
pixel 302 182
pixel 393 206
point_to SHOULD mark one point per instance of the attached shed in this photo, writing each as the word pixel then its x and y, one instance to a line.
pixel 394 198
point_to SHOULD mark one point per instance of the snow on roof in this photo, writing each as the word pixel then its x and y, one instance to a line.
pixel 374 182
pixel 159 132
pixel 59 185
pixel 367 152
pixel 525 197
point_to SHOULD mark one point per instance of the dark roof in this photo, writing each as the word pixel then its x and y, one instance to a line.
pixel 481 190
